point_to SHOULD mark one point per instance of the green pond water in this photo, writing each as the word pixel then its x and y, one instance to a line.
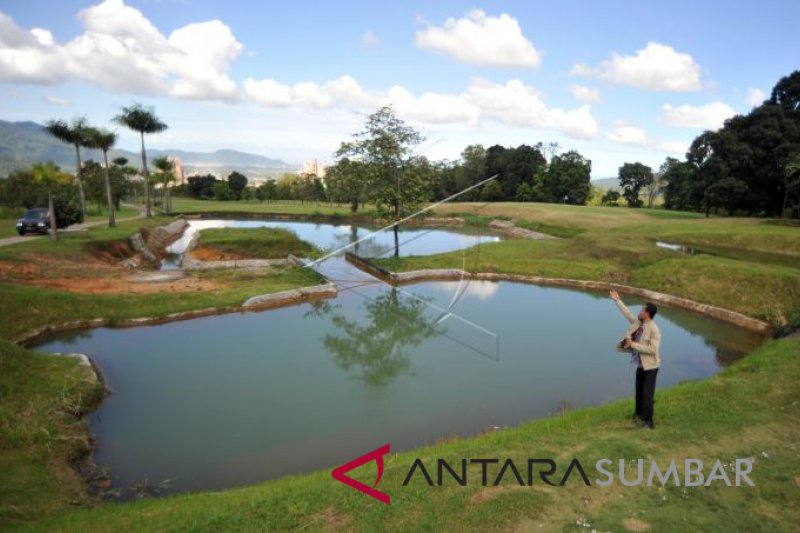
pixel 234 399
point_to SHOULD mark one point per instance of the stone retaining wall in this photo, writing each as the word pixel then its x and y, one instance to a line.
pixel 414 276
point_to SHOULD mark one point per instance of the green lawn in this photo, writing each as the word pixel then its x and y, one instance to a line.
pixel 256 243
pixel 190 205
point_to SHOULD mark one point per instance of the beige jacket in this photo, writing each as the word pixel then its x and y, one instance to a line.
pixel 648 343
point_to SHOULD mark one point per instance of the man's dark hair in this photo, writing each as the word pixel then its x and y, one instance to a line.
pixel 651 309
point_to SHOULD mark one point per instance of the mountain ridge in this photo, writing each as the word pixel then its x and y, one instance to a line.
pixel 23 143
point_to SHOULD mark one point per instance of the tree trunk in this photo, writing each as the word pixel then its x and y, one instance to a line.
pixel 396 241
pixel 52 209
pixel 784 211
pixel 79 175
pixel 147 211
pixel 109 197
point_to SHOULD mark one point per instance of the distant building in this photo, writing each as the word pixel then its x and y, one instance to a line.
pixel 177 170
pixel 313 168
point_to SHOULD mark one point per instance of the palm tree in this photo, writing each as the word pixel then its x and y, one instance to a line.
pixel 142 119
pixel 104 140
pixel 165 175
pixel 51 177
pixel 74 134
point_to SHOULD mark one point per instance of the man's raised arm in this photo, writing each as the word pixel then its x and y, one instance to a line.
pixel 625 311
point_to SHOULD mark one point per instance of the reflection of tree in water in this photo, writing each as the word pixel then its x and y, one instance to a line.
pixel 373 348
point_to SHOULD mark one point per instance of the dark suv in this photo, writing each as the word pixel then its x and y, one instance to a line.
pixel 35 221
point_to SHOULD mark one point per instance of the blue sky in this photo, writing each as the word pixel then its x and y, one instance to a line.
pixel 618 81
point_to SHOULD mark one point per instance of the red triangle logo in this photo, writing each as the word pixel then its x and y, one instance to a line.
pixel 375 455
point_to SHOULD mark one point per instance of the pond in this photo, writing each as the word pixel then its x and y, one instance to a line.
pixel 331 237
pixel 234 399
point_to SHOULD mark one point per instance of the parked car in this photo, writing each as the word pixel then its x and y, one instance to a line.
pixel 36 221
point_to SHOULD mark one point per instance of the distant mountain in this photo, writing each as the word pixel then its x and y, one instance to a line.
pixel 607 183
pixel 25 143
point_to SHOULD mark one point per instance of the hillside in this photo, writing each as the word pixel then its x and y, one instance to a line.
pixel 24 143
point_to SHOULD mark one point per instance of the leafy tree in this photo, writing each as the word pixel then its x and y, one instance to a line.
pixel 236 183
pixel 632 178
pixel 222 192
pixel 791 183
pixel 165 177
pixel 104 140
pixel 50 177
pixel 74 134
pixel 201 187
pixel 728 193
pixel 524 193
pixel 348 181
pixel 144 120
pixel 492 192
pixel 267 191
pixel 610 198
pixel 385 148
pixel 568 176
pixel 680 188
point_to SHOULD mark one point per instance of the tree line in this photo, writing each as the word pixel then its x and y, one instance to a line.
pixel 750 166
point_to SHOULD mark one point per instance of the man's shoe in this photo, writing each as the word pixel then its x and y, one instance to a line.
pixel 636 419
pixel 646 425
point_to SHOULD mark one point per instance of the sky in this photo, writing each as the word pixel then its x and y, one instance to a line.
pixel 619 81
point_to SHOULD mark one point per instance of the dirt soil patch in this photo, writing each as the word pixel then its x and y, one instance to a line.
pixel 90 275
pixel 207 253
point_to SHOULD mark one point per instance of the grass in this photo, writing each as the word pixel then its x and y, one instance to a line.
pixel 748 410
pixel 255 243
pixel 8 220
pixel 42 398
pixel 190 205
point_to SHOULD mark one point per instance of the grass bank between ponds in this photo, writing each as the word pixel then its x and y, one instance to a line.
pixel 252 243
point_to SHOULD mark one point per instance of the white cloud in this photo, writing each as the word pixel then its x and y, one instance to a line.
pixel 520 105
pixel 708 117
pixel 56 100
pixel 512 103
pixel 755 97
pixel 625 133
pixel 585 95
pixel 370 40
pixel 432 107
pixel 481 40
pixel 344 91
pixel 121 50
pixel 656 67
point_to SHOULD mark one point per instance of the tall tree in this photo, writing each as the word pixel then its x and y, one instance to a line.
pixel 164 176
pixel 632 178
pixel 567 179
pixel 395 178
pixel 144 120
pixel 74 134
pixel 104 140
pixel 50 176
pixel 236 183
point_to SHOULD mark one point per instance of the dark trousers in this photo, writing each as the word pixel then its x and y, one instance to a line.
pixel 645 389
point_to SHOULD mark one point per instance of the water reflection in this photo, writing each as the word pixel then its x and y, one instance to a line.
pixel 373 350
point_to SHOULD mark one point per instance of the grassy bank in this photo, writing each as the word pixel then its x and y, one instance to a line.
pixel 253 243
pixel 749 410
pixel 752 266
